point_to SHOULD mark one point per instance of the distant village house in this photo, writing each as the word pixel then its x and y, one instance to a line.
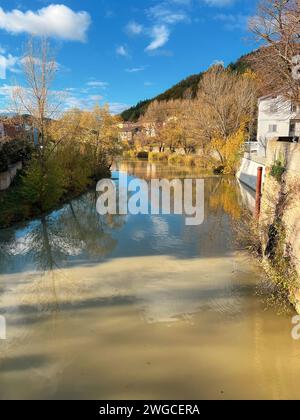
pixel 9 130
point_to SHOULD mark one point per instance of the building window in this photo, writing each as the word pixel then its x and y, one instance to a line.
pixel 292 129
pixel 272 128
pixel 293 108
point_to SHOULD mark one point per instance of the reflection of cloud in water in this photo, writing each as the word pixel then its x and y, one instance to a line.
pixel 164 238
pixel 138 235
pixel 76 232
pixel 160 226
pixel 23 245
pixel 20 246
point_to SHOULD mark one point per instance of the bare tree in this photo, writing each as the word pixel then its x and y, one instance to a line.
pixel 277 27
pixel 225 100
pixel 36 99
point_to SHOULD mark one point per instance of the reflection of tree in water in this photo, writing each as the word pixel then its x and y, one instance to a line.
pixel 224 198
pixel 147 170
pixel 84 230
pixel 76 229
pixel 223 207
pixel 54 241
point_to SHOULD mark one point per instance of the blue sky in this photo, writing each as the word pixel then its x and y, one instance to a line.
pixel 123 51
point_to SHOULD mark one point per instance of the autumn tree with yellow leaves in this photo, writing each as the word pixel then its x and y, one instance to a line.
pixel 71 149
pixel 226 106
pixel 216 123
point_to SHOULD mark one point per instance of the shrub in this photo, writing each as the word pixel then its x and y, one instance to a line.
pixel 176 159
pixel 158 156
pixel 142 155
pixel 277 171
pixel 219 170
pixel 14 151
pixel 3 161
pixel 192 160
pixel 43 188
pixel 129 154
pixel 76 166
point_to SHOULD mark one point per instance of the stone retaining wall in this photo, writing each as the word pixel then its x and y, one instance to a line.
pixel 289 155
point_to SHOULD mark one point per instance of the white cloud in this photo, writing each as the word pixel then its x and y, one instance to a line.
pixel 6 90
pixel 122 51
pixel 160 35
pixel 218 62
pixel 96 83
pixel 89 102
pixel 79 100
pixel 2 67
pixel 95 98
pixel 219 3
pixel 117 107
pixel 181 2
pixel 69 98
pixel 8 63
pixel 233 22
pixel 135 69
pixel 134 28
pixel 163 14
pixel 5 97
pixel 56 20
pixel 74 102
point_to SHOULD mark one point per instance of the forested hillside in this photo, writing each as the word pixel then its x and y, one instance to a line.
pixel 187 88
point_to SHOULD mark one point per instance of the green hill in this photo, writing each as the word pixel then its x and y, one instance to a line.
pixel 187 88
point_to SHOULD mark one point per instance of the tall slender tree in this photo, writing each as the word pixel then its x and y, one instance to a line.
pixel 277 27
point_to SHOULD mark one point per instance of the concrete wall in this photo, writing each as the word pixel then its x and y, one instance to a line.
pixel 247 173
pixel 290 154
pixel 7 177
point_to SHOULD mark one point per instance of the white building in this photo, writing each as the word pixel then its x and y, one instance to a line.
pixel 277 118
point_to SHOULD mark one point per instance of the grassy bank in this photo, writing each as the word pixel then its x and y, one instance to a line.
pixel 44 185
pixel 267 244
pixel 14 208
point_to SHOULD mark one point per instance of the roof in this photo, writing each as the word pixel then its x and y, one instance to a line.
pixel 10 130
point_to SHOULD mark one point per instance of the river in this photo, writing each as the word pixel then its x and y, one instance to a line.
pixel 141 307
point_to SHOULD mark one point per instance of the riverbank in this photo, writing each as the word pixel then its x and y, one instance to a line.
pixel 274 237
pixel 279 221
pixel 13 208
pixel 208 163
